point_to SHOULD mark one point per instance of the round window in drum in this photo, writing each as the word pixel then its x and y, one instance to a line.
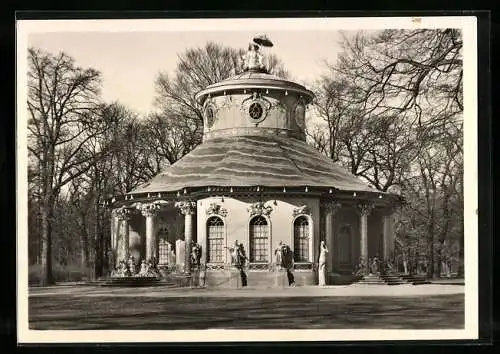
pixel 255 111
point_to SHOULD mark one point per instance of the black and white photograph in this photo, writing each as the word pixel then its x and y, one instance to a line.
pixel 247 179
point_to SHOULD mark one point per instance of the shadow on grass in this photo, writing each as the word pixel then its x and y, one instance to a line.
pixel 129 313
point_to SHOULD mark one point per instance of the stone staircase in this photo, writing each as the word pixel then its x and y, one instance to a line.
pixel 130 281
pixel 371 279
pixel 415 279
pixel 392 279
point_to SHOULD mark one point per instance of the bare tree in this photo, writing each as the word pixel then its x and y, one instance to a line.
pixel 63 103
pixel 391 106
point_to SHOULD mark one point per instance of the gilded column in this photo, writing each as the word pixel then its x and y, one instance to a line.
pixel 123 215
pixel 388 233
pixel 188 209
pixel 150 212
pixel 364 210
pixel 331 209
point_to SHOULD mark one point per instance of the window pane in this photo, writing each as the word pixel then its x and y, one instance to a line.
pixel 215 237
pixel 259 240
pixel 163 248
pixel 301 239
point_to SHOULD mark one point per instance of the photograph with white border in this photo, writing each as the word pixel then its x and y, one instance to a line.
pixel 247 179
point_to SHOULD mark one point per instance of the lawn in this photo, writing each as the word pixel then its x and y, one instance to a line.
pixel 156 313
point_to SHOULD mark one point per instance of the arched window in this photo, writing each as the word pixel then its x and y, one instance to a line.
pixel 259 240
pixel 215 237
pixel 163 245
pixel 301 239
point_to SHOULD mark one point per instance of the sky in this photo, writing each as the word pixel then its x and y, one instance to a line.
pixel 130 61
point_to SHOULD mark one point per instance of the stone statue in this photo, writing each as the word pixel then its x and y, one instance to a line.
pixel 238 260
pixel 196 254
pixel 171 257
pixel 360 268
pixel 278 255
pixel 322 264
pixel 284 260
pixel 144 269
pixel 374 266
pixel 253 59
pixel 132 265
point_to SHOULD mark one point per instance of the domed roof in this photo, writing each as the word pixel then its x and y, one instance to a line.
pixel 272 161
pixel 252 79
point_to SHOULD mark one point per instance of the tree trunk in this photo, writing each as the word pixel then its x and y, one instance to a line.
pixel 439 258
pixel 84 243
pixel 97 244
pixel 460 272
pixel 430 256
pixel 46 254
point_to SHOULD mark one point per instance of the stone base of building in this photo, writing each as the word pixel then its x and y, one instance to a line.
pixel 341 279
pixel 232 279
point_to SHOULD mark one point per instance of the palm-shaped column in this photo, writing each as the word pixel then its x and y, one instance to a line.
pixel 150 212
pixel 331 209
pixel 364 210
pixel 188 209
pixel 123 214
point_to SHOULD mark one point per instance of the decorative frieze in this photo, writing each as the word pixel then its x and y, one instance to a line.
pixel 216 209
pixel 302 210
pixel 186 207
pixel 259 208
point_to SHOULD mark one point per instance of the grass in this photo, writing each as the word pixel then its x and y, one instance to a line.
pixel 134 313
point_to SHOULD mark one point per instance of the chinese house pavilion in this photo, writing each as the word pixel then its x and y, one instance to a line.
pixel 255 180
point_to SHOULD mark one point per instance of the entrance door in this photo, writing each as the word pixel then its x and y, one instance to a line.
pixel 344 249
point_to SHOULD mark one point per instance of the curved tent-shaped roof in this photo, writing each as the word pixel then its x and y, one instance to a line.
pixel 272 161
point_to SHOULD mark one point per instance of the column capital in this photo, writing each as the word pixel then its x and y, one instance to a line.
pixel 365 208
pixel 122 213
pixel 331 207
pixel 148 209
pixel 186 207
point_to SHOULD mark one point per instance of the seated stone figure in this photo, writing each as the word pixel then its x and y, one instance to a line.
pixel 132 265
pixel 143 272
pixel 122 270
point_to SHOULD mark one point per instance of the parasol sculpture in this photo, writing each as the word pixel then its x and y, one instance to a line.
pixel 262 40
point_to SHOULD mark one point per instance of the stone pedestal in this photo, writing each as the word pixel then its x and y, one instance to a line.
pixel 281 278
pixel 201 277
pixel 180 253
pixel 234 279
pixel 195 277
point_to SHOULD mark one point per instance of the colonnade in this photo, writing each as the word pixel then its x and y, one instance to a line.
pixel 120 234
pixel 331 208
